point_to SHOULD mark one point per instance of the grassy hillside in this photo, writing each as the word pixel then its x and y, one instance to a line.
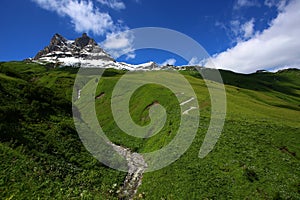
pixel 41 153
pixel 256 157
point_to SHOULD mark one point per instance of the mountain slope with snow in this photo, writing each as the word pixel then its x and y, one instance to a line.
pixel 84 52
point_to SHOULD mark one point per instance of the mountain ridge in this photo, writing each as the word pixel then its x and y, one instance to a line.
pixel 84 52
pixel 83 47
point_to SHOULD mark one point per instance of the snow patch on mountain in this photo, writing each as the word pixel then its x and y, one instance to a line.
pixel 84 52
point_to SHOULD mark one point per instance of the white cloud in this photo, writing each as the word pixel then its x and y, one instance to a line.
pixel 276 46
pixel 170 61
pixel 245 3
pixel 248 29
pixel 130 55
pixel 119 43
pixel 114 4
pixel 87 18
pixel 84 16
pixel 242 31
pixel 196 62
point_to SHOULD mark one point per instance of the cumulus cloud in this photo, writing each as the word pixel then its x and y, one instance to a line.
pixel 170 61
pixel 83 14
pixel 119 43
pixel 114 4
pixel 275 47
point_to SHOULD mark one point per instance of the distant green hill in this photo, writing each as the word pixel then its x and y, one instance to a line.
pixel 256 157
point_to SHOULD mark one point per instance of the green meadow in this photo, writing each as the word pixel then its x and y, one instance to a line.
pixel 256 157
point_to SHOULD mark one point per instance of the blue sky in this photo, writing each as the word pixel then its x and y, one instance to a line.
pixel 240 35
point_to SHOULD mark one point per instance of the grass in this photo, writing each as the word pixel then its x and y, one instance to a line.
pixel 256 157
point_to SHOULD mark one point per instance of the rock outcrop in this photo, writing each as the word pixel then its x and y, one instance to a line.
pixel 60 49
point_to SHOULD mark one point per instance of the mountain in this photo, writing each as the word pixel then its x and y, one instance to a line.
pixel 83 52
pixel 71 52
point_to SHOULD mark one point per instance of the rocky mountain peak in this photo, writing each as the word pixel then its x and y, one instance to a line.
pixel 84 52
pixel 56 42
pixel 57 37
pixel 85 40
pixel 83 47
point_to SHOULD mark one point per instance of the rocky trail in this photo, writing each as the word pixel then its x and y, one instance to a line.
pixel 136 168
